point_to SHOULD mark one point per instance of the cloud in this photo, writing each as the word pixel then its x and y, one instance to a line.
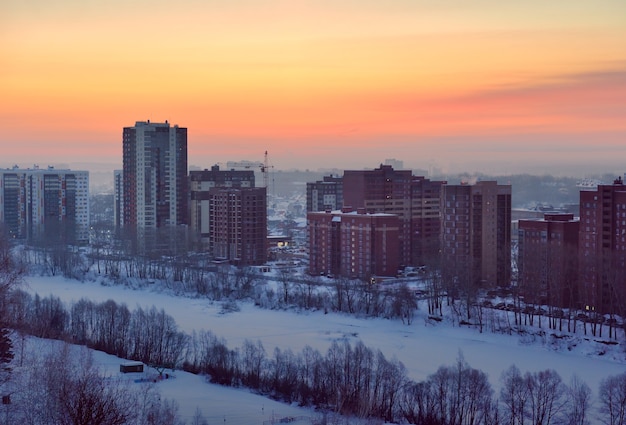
pixel 585 102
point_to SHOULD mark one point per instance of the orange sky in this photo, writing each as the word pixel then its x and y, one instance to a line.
pixel 319 83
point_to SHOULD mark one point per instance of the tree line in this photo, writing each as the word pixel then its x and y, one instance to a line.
pixel 175 264
pixel 348 379
pixel 184 271
pixel 115 329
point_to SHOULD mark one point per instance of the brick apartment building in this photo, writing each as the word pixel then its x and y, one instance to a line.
pixel 354 244
pixel 476 234
pixel 602 248
pixel 229 214
pixel 548 259
pixel 325 194
pixel 414 199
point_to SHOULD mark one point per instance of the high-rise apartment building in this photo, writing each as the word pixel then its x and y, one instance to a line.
pixel 154 175
pixel 46 203
pixel 476 234
pixel 425 220
pixel 201 183
pixel 414 199
pixel 353 244
pixel 383 190
pixel 326 194
pixel 547 260
pixel 237 224
pixel 229 214
pixel 602 248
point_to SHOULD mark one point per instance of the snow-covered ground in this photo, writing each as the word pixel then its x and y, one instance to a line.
pixel 217 404
pixel 422 346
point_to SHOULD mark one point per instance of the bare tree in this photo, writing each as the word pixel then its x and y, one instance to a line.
pixel 404 304
pixel 64 387
pixel 419 405
pixel 463 395
pixel 218 362
pixel 47 317
pixel 434 291
pixel 613 400
pixel 165 344
pixel 579 403
pixel 392 379
pixel 252 363
pixel 514 396
pixel 285 374
pixel 312 377
pixel 546 397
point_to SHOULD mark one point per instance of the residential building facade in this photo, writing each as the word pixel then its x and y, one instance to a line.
pixel 326 194
pixel 45 203
pixel 237 224
pixel 476 234
pixel 383 190
pixel 425 220
pixel 354 244
pixel 154 176
pixel 414 199
pixel 201 183
pixel 602 248
pixel 547 260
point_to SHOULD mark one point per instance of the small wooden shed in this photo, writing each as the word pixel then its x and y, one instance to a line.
pixel 131 367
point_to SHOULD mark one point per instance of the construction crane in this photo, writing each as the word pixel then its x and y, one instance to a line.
pixel 263 166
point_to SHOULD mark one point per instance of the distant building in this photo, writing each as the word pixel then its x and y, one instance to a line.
pixel 118 198
pixel 395 163
pixel 237 224
pixel 414 199
pixel 476 234
pixel 229 214
pixel 548 259
pixel 201 183
pixel 154 177
pixel 383 190
pixel 602 248
pixel 425 220
pixel 45 203
pixel 353 244
pixel 326 194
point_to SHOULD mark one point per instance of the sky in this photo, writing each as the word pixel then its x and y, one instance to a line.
pixel 482 85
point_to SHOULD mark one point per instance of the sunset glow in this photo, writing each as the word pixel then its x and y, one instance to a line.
pixel 318 84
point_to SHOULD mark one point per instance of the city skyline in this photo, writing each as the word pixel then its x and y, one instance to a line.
pixel 487 86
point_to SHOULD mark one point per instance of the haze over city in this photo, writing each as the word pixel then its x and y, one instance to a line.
pixel 485 86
